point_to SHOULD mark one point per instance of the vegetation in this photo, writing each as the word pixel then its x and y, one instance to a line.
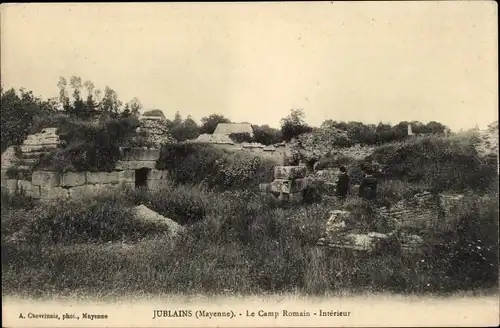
pixel 237 240
pixel 215 168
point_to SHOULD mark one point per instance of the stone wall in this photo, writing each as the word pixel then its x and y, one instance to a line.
pixel 20 160
pixel 135 169
pixel 53 185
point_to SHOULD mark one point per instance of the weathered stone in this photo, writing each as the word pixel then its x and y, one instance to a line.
pixel 82 191
pixel 289 172
pixel 135 165
pixel 157 184
pixel 126 176
pixel 139 154
pixel 46 179
pixel 337 222
pixel 4 175
pixel 102 177
pixel 288 186
pixel 145 214
pixel 41 141
pixel 155 174
pixel 26 187
pixel 10 185
pixel 72 179
pixel 37 148
pixel 127 185
pixel 53 192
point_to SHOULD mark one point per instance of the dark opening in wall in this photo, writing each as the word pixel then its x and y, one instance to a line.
pixel 141 177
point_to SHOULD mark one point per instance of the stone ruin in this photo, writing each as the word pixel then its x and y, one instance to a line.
pixel 136 168
pixel 288 185
pixel 344 232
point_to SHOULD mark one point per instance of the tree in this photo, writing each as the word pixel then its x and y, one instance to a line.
pixel 266 135
pixel 110 103
pixel 18 113
pixel 435 127
pixel 181 129
pixel 294 125
pixel 384 133
pixel 135 106
pixel 209 123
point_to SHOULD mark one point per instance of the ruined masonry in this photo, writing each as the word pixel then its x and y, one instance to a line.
pixel 424 208
pixel 135 169
pixel 288 184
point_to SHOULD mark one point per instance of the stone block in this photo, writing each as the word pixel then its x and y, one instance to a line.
pixel 10 185
pixel 4 175
pixel 155 174
pixel 72 179
pixel 46 179
pixel 134 165
pixel 126 176
pixel 102 177
pixel 36 148
pixel 288 186
pixel 53 192
pixel 127 185
pixel 140 154
pixel 28 188
pixel 157 184
pixel 82 191
pixel 289 172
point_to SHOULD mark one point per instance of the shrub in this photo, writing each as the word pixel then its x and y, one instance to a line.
pixel 216 168
pixel 184 204
pixel 90 147
pixel 241 137
pixel 444 164
pixel 98 220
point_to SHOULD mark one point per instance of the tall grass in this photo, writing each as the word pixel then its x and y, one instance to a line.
pixel 236 242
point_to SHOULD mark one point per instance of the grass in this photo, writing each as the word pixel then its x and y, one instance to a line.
pixel 236 243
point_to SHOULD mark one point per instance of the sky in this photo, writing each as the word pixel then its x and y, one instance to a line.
pixel 347 61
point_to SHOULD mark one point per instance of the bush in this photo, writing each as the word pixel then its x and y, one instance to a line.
pixel 90 147
pixel 18 113
pixel 266 135
pixel 444 164
pixel 241 137
pixel 184 204
pixel 216 168
pixel 98 220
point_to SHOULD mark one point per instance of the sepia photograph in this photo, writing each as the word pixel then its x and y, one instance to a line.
pixel 241 164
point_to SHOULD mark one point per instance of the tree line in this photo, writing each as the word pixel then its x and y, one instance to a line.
pixel 81 99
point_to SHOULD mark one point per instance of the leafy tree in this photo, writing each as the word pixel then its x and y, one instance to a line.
pixel 294 125
pixel 135 106
pixel 181 129
pixel 18 112
pixel 241 137
pixel 266 135
pixel 435 127
pixel 209 123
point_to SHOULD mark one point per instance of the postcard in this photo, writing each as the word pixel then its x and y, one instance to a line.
pixel 242 164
